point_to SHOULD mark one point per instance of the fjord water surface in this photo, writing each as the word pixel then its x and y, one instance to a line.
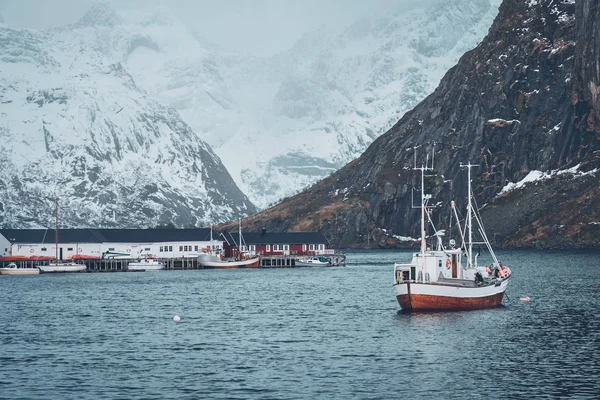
pixel 298 334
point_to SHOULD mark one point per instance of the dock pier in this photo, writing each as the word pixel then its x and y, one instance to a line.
pixel 182 263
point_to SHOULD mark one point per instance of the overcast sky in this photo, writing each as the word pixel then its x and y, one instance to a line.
pixel 258 26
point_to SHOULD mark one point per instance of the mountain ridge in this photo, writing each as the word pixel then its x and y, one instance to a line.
pixel 75 125
pixel 522 100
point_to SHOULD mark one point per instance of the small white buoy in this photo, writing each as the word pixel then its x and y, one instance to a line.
pixel 176 318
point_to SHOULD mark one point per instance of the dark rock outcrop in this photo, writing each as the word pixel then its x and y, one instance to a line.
pixel 525 99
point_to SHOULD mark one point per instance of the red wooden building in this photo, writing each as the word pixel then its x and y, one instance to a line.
pixel 276 243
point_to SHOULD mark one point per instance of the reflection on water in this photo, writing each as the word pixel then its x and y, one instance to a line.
pixel 298 333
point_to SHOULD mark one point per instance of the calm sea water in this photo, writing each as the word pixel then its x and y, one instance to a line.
pixel 298 334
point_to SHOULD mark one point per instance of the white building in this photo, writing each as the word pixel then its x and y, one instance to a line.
pixel 106 243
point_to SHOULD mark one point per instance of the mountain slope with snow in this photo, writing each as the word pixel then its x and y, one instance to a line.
pixel 281 123
pixel 523 106
pixel 75 125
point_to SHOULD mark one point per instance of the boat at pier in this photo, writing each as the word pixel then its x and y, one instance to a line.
pixel 14 269
pixel 146 264
pixel 62 267
pixel 437 280
pixel 240 259
pixel 58 265
pixel 243 262
pixel 316 261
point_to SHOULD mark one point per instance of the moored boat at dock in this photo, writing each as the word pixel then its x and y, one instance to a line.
pixel 436 280
pixel 315 261
pixel 146 264
pixel 245 262
pixel 58 265
pixel 62 267
pixel 14 269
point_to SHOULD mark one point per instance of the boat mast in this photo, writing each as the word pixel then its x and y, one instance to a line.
pixel 424 199
pixel 469 214
pixel 240 234
pixel 56 229
pixel 423 241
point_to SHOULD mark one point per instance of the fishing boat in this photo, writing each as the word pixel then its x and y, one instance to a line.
pixel 437 280
pixel 244 262
pixel 14 269
pixel 146 264
pixel 58 265
pixel 315 261
pixel 242 259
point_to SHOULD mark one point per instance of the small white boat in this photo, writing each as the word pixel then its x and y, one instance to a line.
pixel 313 262
pixel 62 267
pixel 14 269
pixel 211 262
pixel 146 264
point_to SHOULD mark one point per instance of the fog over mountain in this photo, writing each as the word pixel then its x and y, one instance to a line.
pixel 284 94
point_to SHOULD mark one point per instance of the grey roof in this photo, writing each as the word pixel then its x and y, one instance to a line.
pixel 156 235
pixel 47 235
pixel 257 238
pixel 106 235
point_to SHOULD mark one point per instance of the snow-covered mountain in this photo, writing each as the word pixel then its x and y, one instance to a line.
pixel 284 122
pixel 75 124
pixel 119 110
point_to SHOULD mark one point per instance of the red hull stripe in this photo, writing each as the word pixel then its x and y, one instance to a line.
pixel 428 302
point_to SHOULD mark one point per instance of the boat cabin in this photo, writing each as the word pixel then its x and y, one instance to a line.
pixel 432 266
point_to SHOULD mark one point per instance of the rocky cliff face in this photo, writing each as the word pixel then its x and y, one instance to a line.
pixel 523 104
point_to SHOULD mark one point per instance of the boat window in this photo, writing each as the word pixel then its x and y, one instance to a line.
pixel 268 247
pixel 69 249
pixel 161 249
pixel 170 248
pixel 111 249
pixel 180 248
pixel 440 263
pixel 405 275
pixel 147 249
pixel 413 273
pixel 196 248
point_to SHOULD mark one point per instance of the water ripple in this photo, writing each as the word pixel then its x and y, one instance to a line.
pixel 332 333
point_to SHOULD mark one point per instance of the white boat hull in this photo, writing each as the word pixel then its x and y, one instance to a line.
pixel 300 263
pixel 146 267
pixel 63 268
pixel 19 271
pixel 250 263
pixel 447 296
